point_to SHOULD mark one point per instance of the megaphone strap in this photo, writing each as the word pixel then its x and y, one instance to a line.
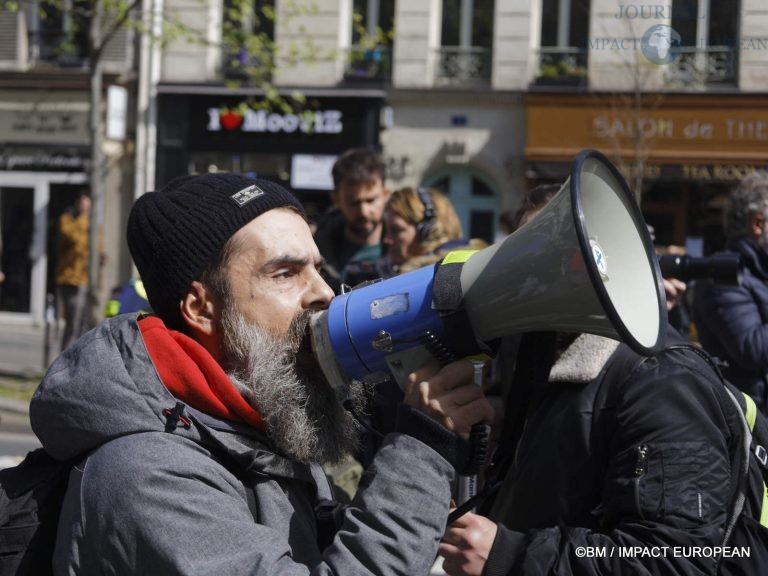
pixel 448 301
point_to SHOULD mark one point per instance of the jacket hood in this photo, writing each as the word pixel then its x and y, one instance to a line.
pixel 102 387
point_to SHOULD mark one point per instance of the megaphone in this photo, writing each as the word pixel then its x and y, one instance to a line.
pixel 585 263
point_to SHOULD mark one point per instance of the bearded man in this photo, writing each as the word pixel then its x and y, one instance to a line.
pixel 202 429
pixel 732 321
pixel 349 235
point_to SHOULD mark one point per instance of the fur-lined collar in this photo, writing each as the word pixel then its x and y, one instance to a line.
pixel 582 361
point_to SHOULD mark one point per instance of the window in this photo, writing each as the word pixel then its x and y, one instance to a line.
pixel 59 31
pixel 370 55
pixel 373 19
pixel 564 35
pixel 248 39
pixel 466 41
pixel 473 27
pixel 708 33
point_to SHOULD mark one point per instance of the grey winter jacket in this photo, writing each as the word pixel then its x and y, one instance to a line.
pixel 154 497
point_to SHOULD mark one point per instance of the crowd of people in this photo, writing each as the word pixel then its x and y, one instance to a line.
pixel 201 423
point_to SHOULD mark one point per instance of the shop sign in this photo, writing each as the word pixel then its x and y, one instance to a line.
pixel 246 119
pixel 42 161
pixel 723 173
pixel 717 173
pixel 673 130
pixel 44 122
pixel 726 129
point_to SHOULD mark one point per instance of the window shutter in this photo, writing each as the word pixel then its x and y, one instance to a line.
pixel 118 53
pixel 12 42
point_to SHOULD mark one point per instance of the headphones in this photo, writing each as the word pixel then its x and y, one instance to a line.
pixel 426 227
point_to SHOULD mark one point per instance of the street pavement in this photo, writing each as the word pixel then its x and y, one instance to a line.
pixel 22 359
pixel 22 350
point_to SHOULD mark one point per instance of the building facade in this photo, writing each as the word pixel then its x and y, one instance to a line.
pixel 480 98
pixel 45 147
pixel 674 93
pixel 486 98
pixel 428 93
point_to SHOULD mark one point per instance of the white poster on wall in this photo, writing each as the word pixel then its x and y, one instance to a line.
pixel 312 171
pixel 117 112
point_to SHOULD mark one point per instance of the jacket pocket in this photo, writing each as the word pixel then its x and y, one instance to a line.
pixel 662 482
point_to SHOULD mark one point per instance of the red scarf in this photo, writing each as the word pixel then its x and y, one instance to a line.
pixel 193 376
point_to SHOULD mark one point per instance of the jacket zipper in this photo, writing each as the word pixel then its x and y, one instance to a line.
pixel 641 467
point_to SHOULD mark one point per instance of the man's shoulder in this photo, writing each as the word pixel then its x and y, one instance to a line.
pixel 679 374
pixel 131 476
pixel 141 459
pixel 330 227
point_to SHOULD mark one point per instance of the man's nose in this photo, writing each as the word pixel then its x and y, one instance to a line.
pixel 319 295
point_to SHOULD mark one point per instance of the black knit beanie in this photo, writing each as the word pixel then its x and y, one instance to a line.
pixel 175 233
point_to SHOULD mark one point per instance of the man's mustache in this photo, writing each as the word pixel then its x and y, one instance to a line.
pixel 298 331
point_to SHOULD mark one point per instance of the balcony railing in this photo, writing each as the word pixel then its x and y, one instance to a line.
pixel 703 66
pixel 463 66
pixel 368 64
pixel 559 66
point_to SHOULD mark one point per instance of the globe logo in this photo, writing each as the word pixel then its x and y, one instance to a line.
pixel 661 44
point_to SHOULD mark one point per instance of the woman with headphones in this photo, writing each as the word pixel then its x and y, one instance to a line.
pixel 420 227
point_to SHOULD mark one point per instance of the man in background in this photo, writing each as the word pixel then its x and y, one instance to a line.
pixel 349 236
pixel 732 321
pixel 72 268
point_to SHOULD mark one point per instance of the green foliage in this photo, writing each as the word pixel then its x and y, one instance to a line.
pixel 562 67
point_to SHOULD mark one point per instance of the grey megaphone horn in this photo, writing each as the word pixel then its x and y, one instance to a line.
pixel 585 263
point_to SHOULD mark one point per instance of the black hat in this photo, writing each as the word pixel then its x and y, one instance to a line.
pixel 175 233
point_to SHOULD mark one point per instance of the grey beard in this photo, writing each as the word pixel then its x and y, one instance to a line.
pixel 304 417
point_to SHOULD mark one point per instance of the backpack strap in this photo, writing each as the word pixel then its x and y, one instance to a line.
pixel 756 426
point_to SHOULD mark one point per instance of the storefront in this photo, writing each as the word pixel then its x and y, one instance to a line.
pixel 232 131
pixel 683 152
pixel 43 163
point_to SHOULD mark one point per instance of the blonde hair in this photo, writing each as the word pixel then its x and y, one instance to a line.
pixel 446 225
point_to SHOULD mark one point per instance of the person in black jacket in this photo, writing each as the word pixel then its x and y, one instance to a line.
pixel 620 455
pixel 612 463
pixel 732 321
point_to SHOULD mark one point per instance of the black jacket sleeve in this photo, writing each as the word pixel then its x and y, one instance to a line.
pixel 667 486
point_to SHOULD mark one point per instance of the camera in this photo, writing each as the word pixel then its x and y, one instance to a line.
pixel 720 268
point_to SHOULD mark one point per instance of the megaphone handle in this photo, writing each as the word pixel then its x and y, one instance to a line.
pixel 478 439
pixel 468 483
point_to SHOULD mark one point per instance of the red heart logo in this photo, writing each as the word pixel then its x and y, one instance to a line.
pixel 230 120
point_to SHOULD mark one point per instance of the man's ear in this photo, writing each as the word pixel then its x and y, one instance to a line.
pixel 334 198
pixel 199 308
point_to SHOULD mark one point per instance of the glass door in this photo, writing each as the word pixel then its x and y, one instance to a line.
pixel 16 229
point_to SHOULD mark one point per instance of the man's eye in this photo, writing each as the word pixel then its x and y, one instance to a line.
pixel 285 273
